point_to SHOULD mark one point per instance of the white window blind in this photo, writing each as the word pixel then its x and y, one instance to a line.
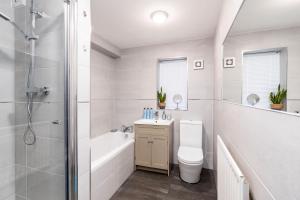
pixel 173 78
pixel 261 75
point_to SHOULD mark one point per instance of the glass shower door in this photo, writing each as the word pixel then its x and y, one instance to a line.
pixel 32 100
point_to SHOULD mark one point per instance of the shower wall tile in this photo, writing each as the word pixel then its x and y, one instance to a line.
pixel 20 149
pixel 51 44
pixel 43 112
pixel 42 185
pixel 7 149
pixel 7 114
pixel 7 183
pixel 44 129
pixel 46 155
pixel 7 70
pixel 20 181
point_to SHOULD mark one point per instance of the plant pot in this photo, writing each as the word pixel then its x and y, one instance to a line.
pixel 162 105
pixel 277 106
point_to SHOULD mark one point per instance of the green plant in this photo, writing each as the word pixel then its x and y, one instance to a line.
pixel 161 96
pixel 279 96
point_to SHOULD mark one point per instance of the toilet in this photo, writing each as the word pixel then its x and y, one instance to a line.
pixel 190 154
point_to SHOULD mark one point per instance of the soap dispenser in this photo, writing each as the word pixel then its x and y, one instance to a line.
pixel 147 113
pixel 151 113
pixel 144 114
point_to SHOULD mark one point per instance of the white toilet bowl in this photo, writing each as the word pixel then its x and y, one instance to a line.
pixel 190 163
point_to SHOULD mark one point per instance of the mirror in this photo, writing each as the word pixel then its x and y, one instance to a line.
pixel 261 66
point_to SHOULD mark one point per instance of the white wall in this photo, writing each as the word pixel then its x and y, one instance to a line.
pixel 103 69
pixel 265 144
pixel 136 84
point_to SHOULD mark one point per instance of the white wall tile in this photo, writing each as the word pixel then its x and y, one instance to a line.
pixel 103 93
pixel 84 186
pixel 83 156
pixel 83 117
pixel 83 84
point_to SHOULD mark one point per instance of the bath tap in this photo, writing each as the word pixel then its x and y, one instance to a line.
pixel 125 129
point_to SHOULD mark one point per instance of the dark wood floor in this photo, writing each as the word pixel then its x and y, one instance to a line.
pixel 152 186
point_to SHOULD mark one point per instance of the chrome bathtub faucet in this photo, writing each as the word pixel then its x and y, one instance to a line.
pixel 125 129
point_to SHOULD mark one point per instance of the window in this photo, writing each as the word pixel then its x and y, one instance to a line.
pixel 173 78
pixel 261 75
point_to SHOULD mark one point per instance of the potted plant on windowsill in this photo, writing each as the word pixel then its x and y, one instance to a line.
pixel 277 98
pixel 161 98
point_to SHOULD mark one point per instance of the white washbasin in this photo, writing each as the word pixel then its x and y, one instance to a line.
pixel 154 122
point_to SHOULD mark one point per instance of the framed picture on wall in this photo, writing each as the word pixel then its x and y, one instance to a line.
pixel 229 62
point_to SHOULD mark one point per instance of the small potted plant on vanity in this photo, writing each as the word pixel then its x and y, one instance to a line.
pixel 161 98
pixel 278 98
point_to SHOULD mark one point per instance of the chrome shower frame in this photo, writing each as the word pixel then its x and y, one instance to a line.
pixel 71 140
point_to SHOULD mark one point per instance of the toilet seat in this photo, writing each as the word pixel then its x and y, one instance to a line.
pixel 190 155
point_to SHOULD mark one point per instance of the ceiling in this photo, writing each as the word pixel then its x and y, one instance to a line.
pixel 258 15
pixel 127 23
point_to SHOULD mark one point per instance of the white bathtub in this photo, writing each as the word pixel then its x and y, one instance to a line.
pixel 112 157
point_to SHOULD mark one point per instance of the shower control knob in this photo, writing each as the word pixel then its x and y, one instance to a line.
pixel 45 91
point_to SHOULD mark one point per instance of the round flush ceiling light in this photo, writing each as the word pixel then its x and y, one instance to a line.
pixel 159 16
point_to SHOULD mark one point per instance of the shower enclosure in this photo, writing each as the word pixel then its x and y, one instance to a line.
pixel 37 152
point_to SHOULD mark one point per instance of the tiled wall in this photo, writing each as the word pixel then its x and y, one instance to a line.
pixel 136 84
pixel 103 93
pixel 7 107
pixel 39 168
pixel 263 143
pixel 84 100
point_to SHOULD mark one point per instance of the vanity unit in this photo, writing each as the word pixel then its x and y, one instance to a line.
pixel 154 145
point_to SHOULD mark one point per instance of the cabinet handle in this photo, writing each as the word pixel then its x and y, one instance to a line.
pixel 150 142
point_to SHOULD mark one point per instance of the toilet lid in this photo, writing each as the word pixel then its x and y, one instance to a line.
pixel 190 155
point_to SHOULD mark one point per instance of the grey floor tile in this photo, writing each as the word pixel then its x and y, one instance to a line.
pixel 144 185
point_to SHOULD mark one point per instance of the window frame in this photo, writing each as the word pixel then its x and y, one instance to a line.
pixel 159 60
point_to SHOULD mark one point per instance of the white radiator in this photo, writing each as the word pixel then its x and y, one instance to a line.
pixel 232 184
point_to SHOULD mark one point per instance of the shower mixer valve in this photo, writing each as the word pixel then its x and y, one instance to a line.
pixel 43 91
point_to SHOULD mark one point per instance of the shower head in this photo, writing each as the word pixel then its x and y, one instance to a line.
pixel 4 17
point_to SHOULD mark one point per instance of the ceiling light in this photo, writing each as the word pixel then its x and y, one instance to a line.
pixel 159 16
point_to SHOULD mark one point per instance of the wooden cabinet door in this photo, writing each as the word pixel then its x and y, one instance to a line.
pixel 160 152
pixel 143 150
